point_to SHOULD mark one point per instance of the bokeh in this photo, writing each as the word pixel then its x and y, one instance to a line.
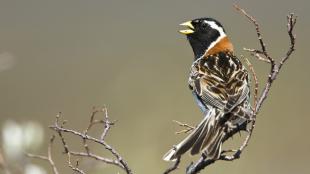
pixel 71 55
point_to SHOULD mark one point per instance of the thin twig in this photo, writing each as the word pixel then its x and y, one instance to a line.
pixel 83 136
pixel 96 157
pixel 120 162
pixel 48 157
pixel 107 124
pixel 187 129
pixel 194 168
pixel 76 167
pixel 91 121
pixel 256 85
pixel 290 27
pixel 276 67
pixel 257 54
pixel 61 130
pixel 258 32
pixel 41 157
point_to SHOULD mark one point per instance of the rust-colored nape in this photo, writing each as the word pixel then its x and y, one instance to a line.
pixel 224 45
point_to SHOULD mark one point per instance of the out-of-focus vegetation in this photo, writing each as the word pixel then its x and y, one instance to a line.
pixel 17 139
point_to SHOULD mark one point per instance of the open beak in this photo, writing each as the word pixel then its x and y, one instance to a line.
pixel 190 28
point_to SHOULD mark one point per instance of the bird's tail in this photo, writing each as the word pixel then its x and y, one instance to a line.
pixel 206 137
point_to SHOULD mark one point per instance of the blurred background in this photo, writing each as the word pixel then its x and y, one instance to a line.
pixel 71 55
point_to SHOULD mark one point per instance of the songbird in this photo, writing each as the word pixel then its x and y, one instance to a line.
pixel 220 86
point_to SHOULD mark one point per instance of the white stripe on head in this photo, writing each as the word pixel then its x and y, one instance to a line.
pixel 219 29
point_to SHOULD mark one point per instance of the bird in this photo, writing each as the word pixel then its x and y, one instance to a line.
pixel 220 84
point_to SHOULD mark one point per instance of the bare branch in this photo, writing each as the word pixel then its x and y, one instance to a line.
pixel 199 165
pixel 92 121
pixel 76 167
pixel 48 157
pixel 290 27
pixel 257 28
pixel 256 85
pixel 276 67
pixel 41 157
pixel 257 54
pixel 107 124
pixel 59 128
pixel 262 55
pixel 96 157
pixel 187 129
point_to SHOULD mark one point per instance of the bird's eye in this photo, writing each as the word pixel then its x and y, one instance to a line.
pixel 204 25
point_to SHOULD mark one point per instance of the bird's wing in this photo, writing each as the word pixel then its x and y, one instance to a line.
pixel 220 82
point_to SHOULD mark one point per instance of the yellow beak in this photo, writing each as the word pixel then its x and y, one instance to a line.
pixel 190 29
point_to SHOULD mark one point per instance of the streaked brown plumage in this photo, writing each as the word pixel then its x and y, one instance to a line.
pixel 219 83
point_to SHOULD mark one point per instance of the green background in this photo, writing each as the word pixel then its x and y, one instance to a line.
pixel 71 55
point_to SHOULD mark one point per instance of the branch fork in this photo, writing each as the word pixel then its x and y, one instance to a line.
pixel 59 128
pixel 260 54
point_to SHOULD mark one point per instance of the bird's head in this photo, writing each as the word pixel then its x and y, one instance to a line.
pixel 203 34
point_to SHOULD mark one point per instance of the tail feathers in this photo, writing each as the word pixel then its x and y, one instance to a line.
pixel 207 136
pixel 213 147
pixel 204 135
pixel 186 144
